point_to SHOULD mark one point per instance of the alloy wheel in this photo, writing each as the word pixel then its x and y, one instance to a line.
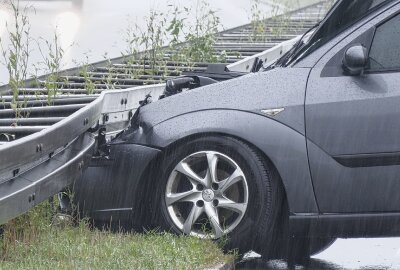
pixel 207 194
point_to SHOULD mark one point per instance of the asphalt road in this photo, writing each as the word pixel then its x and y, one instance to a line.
pixel 344 254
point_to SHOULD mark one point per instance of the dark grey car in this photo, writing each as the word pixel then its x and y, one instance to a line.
pixel 284 160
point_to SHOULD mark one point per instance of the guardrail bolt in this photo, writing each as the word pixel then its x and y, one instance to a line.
pixel 126 101
pixel 122 101
pixel 80 165
pixel 31 197
pixel 105 118
pixel 15 172
pixel 39 147
pixel 85 121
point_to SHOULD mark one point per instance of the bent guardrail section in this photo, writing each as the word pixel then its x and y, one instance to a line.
pixel 38 166
pixel 49 177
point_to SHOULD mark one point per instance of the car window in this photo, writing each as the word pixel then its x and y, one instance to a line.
pixel 385 48
pixel 342 15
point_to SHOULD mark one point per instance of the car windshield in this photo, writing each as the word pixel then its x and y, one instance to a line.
pixel 342 15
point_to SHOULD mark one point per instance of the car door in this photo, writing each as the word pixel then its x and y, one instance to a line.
pixel 353 123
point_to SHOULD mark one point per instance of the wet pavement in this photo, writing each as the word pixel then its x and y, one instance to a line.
pixel 344 254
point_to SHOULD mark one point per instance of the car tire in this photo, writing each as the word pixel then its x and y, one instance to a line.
pixel 258 224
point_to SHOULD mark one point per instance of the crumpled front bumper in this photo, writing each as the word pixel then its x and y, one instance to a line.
pixel 112 188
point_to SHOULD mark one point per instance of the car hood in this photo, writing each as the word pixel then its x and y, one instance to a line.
pixel 276 88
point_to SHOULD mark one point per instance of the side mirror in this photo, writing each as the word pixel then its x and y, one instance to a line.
pixel 355 60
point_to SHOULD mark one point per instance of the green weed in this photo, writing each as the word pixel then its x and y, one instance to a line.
pixel 15 55
pixel 52 61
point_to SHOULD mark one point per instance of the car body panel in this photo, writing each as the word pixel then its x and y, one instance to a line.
pixel 224 108
pixel 110 190
pixel 278 88
pixel 352 125
pixel 341 189
pixel 269 136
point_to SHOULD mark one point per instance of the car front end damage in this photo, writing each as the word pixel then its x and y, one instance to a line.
pixel 120 184
pixel 125 163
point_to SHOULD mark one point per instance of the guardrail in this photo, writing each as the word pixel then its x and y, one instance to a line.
pixel 21 155
pixel 43 163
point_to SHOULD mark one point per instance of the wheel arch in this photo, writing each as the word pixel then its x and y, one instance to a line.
pixel 194 136
pixel 279 145
pixel 262 154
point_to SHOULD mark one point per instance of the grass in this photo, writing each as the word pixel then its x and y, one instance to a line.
pixel 31 242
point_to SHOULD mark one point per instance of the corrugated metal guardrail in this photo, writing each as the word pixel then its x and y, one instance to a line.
pixel 41 164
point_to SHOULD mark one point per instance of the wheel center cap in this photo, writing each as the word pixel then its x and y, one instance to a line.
pixel 208 195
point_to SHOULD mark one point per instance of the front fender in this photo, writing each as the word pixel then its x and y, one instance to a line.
pixel 285 147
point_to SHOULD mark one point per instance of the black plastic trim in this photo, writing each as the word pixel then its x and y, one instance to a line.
pixel 369 160
pixel 346 225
